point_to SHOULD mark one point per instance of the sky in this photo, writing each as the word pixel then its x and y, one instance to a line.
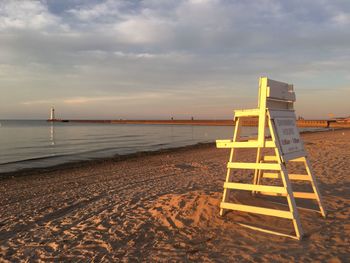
pixel 157 59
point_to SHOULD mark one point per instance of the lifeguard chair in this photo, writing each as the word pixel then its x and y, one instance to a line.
pixel 275 111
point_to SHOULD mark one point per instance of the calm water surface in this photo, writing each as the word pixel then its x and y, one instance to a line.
pixel 33 144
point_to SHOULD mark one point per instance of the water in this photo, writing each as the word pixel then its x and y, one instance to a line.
pixel 34 144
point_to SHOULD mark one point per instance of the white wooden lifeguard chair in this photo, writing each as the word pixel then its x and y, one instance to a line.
pixel 275 111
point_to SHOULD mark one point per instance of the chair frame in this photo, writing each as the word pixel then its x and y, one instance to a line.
pixel 275 103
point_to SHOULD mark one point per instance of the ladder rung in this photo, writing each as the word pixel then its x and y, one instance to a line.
pixel 268 158
pixel 301 159
pixel 257 210
pixel 223 143
pixel 248 144
pixel 255 187
pixel 268 231
pixel 300 177
pixel 258 166
pixel 301 195
pixel 272 175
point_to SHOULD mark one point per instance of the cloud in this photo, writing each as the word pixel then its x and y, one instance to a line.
pixel 27 14
pixel 83 100
pixel 341 18
pixel 90 11
pixel 91 52
pixel 38 102
pixel 95 99
pixel 173 56
pixel 94 11
pixel 143 30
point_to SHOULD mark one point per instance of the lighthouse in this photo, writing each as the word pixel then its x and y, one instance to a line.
pixel 52 114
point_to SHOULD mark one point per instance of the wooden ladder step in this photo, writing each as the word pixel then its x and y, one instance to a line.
pixel 301 195
pixel 255 187
pixel 258 166
pixel 257 210
pixel 268 158
pixel 301 159
pixel 295 177
pixel 248 144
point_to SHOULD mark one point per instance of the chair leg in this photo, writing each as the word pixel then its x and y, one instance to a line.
pixel 236 135
pixel 291 203
pixel 228 179
pixel 315 187
pixel 257 172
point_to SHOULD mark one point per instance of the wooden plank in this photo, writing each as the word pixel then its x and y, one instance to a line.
pixel 246 113
pixel 223 143
pixel 236 136
pixel 254 187
pixel 286 183
pixel 295 177
pixel 279 104
pixel 259 166
pixel 257 210
pixel 301 195
pixel 315 187
pixel 280 95
pixel 268 231
pixel 248 144
pixel 270 144
pixel 268 158
pixel 280 90
pixel 262 111
pixel 299 207
pixel 281 114
pixel 293 155
pixel 304 195
pixel 299 177
pixel 301 159
pixel 257 173
pixel 271 175
pixel 277 84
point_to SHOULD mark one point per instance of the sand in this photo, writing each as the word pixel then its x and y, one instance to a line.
pixel 164 207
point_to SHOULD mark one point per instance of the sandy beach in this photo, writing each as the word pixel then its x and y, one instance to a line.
pixel 164 207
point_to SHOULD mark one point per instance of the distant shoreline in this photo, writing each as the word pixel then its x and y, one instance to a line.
pixel 249 122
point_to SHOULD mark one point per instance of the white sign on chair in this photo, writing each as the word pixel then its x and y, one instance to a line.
pixel 288 135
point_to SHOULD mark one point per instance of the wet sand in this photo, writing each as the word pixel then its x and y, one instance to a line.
pixel 165 207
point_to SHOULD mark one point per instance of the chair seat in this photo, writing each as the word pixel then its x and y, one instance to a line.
pixel 247 113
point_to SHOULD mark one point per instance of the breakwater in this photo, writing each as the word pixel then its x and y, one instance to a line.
pixel 248 122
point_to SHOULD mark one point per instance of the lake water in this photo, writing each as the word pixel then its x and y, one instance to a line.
pixel 33 144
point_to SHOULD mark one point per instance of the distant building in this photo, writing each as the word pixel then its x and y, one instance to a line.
pixel 52 114
pixel 342 119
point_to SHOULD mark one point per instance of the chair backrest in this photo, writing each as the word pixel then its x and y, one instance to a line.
pixel 275 94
